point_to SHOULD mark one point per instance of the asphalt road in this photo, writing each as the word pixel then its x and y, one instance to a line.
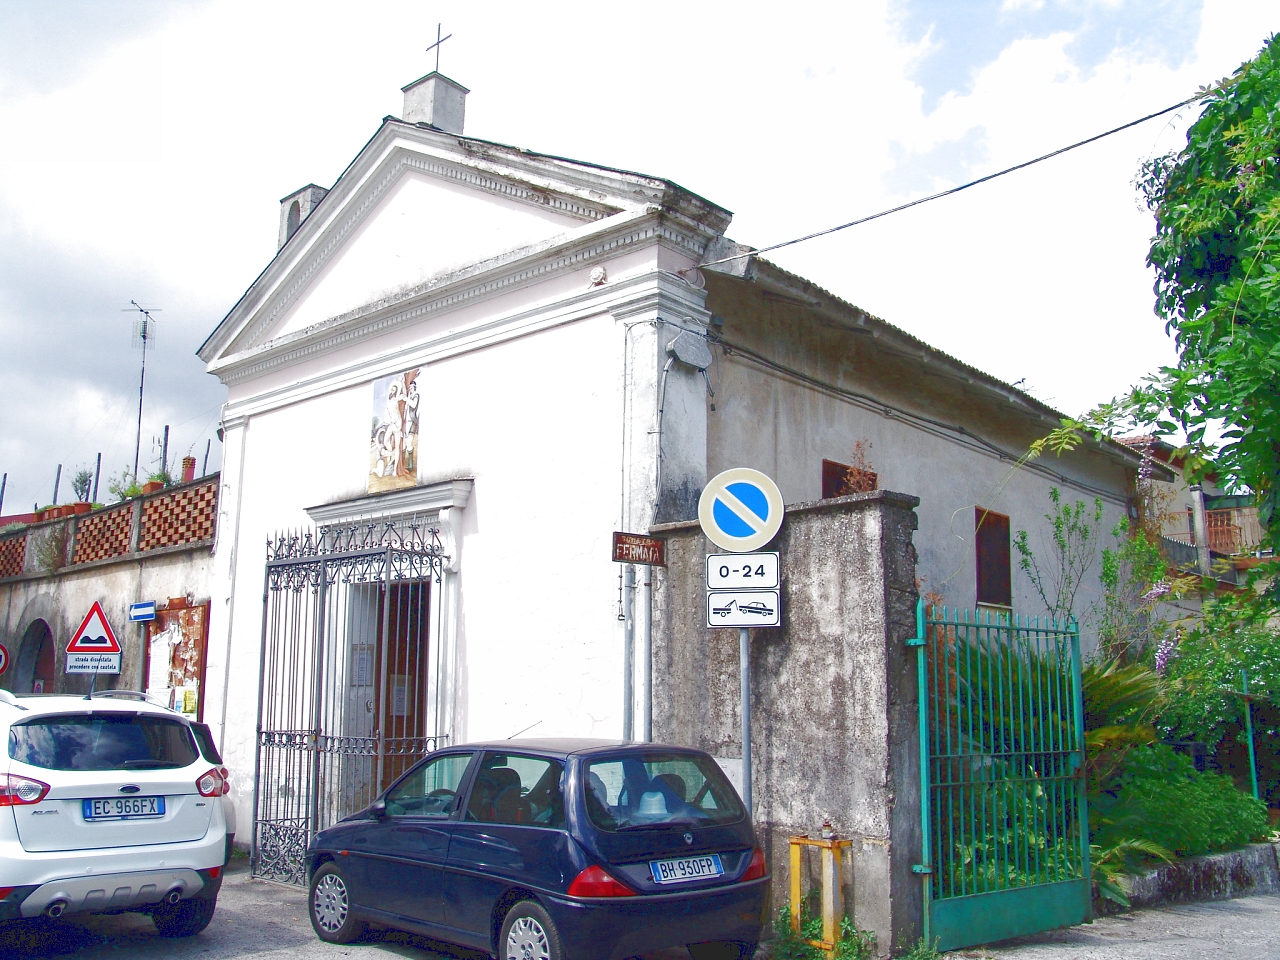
pixel 253 919
pixel 269 922
pixel 1243 929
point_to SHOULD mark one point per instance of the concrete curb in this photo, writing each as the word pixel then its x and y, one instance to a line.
pixel 1217 876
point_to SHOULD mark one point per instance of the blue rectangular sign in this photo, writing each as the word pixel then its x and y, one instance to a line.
pixel 138 612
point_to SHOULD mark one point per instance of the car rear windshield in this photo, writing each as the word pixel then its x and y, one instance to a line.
pixel 657 789
pixel 103 741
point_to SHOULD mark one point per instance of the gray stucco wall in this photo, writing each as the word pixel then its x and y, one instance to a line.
pixel 63 599
pixel 949 438
pixel 835 732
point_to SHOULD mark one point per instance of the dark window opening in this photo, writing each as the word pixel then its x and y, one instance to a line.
pixel 991 539
pixel 841 479
pixel 293 220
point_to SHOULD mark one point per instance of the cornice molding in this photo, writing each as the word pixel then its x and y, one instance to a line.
pixel 579 190
pixel 653 293
pixel 452 291
pixel 427 498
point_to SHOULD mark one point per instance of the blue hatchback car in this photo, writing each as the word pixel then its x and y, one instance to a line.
pixel 550 849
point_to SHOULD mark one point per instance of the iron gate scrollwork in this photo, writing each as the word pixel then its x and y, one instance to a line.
pixel 348 695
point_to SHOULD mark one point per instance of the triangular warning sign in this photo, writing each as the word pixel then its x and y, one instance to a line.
pixel 95 634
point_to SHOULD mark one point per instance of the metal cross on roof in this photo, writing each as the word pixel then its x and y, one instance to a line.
pixel 436 46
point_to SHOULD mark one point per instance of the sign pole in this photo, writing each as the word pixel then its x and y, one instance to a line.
pixel 628 653
pixel 647 652
pixel 744 667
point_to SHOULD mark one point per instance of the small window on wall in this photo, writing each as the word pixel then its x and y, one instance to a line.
pixel 991 540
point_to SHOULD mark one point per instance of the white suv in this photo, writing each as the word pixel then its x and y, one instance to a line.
pixel 109 803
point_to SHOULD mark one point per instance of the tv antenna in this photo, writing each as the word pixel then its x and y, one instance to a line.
pixel 144 332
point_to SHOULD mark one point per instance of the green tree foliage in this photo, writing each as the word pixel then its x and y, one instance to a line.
pixel 1160 798
pixel 1203 668
pixel 124 486
pixel 1216 254
pixel 1074 537
pixel 82 483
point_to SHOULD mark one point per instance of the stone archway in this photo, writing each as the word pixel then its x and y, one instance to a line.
pixel 36 661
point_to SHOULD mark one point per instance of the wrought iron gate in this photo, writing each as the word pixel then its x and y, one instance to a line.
pixel 348 696
pixel 1003 811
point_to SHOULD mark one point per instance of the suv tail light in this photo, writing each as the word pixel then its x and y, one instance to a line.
pixel 594 882
pixel 18 791
pixel 756 868
pixel 211 784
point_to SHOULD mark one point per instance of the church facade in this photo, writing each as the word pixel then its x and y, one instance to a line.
pixel 501 358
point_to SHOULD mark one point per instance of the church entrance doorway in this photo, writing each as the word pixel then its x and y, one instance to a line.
pixel 347 687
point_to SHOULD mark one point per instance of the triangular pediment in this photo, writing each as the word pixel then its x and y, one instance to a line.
pixel 423 227
pixel 417 205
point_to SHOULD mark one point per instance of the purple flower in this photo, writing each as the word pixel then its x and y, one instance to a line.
pixel 1161 589
pixel 1164 653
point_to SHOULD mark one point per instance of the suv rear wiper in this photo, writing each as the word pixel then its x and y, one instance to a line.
pixel 683 822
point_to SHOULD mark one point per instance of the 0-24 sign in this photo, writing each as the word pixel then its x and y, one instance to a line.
pixel 742 571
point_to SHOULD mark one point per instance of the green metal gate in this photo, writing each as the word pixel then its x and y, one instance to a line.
pixel 1003 811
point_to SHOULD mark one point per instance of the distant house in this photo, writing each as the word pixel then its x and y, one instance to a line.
pixel 1204 529
pixel 523 354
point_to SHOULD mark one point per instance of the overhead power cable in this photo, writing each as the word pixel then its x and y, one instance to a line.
pixel 963 186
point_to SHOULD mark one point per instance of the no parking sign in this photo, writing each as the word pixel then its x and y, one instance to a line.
pixel 740 510
pixel 4 658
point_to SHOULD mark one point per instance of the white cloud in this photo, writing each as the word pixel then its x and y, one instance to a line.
pixel 155 173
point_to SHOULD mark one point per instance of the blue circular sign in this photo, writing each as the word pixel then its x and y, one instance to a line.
pixel 740 510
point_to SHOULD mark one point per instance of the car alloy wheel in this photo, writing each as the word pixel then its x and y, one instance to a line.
pixel 526 940
pixel 330 903
pixel 332 911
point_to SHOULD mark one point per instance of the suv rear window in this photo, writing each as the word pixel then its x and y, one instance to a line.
pixel 653 789
pixel 103 741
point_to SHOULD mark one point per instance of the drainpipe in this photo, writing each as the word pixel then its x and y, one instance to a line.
pixel 1200 526
pixel 628 653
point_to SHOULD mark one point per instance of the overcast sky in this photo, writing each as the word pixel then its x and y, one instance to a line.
pixel 144 147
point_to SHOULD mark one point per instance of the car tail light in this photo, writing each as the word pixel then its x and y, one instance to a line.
pixel 5 891
pixel 226 780
pixel 18 791
pixel 211 784
pixel 756 868
pixel 594 882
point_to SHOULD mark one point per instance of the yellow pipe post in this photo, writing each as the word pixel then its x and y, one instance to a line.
pixel 832 899
pixel 795 885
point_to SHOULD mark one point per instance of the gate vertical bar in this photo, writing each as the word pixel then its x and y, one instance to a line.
pixel 922 687
pixel 317 706
pixel 1083 788
pixel 258 747
pixel 385 643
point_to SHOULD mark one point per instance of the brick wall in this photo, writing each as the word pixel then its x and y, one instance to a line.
pixel 184 516
pixel 180 515
pixel 13 553
pixel 103 535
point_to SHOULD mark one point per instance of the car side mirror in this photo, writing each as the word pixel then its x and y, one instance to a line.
pixel 378 809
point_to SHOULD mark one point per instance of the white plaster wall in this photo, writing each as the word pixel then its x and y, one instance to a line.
pixel 536 422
